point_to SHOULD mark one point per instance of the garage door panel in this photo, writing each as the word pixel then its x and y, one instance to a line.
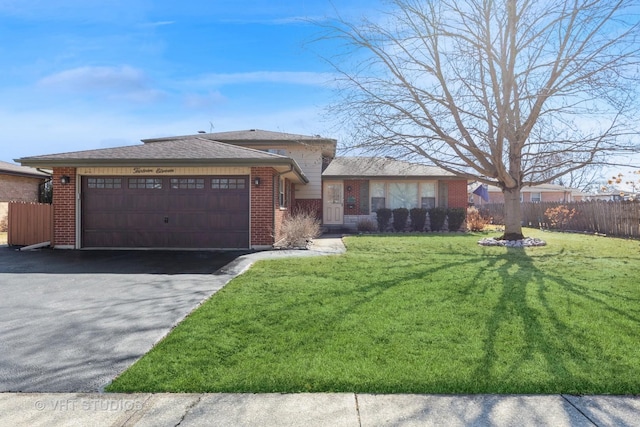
pixel 142 221
pixel 140 201
pixel 171 213
pixel 191 202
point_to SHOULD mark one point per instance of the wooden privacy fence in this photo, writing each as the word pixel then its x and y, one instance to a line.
pixel 620 219
pixel 30 223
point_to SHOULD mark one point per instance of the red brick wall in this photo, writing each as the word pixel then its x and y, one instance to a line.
pixel 19 188
pixel 355 192
pixel 64 208
pixel 457 194
pixel 263 201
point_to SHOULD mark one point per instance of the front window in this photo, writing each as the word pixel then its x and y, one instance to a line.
pixel 378 199
pixel 282 192
pixel 536 197
pixel 428 195
pixel 403 195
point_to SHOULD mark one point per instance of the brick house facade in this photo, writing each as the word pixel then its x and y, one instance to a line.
pixel 230 190
pixel 366 184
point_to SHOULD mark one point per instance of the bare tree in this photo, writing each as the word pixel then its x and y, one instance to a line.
pixel 587 179
pixel 510 93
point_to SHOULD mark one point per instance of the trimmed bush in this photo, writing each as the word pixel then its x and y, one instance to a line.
pixel 437 216
pixel 400 217
pixel 298 229
pixel 367 225
pixel 418 218
pixel 383 216
pixel 456 218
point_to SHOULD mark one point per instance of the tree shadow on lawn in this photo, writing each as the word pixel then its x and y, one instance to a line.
pixel 553 313
pixel 556 353
pixel 535 304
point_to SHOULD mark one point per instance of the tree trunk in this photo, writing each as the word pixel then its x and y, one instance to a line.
pixel 512 215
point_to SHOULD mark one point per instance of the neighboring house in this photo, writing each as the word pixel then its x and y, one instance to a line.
pixel 18 183
pixel 536 193
pixel 614 196
pixel 227 190
pixel 356 187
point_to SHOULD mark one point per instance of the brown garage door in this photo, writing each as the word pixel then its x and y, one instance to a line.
pixel 165 212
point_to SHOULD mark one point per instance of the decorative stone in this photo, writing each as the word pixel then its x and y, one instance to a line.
pixel 526 242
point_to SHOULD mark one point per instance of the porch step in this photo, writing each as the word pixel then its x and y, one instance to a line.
pixel 336 229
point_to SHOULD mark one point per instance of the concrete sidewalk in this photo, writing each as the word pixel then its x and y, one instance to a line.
pixel 340 409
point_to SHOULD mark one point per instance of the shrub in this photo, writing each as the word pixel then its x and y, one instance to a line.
pixel 559 216
pixel 383 216
pixel 475 220
pixel 298 229
pixel 400 217
pixel 367 225
pixel 4 224
pixel 437 217
pixel 418 218
pixel 456 218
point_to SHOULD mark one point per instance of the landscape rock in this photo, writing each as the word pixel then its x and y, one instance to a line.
pixel 524 243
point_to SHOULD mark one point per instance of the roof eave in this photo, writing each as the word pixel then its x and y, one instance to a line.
pixel 24 175
pixel 441 177
pixel 50 163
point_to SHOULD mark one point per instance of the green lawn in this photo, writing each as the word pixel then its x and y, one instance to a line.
pixel 3 238
pixel 415 314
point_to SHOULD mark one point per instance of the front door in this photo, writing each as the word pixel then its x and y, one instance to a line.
pixel 333 203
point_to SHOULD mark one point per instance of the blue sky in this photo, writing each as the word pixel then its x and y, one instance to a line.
pixel 85 74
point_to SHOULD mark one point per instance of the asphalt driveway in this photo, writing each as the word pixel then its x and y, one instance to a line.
pixel 70 321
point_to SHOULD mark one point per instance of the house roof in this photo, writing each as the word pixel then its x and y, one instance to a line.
pixel 17 170
pixel 381 167
pixel 257 137
pixel 540 188
pixel 194 151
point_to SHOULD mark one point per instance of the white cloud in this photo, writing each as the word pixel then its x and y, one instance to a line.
pixel 157 24
pixel 123 78
pixel 123 83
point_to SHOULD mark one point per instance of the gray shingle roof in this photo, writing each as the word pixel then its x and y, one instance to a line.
pixel 183 149
pixel 11 169
pixel 250 135
pixel 185 152
pixel 259 137
pixel 372 167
